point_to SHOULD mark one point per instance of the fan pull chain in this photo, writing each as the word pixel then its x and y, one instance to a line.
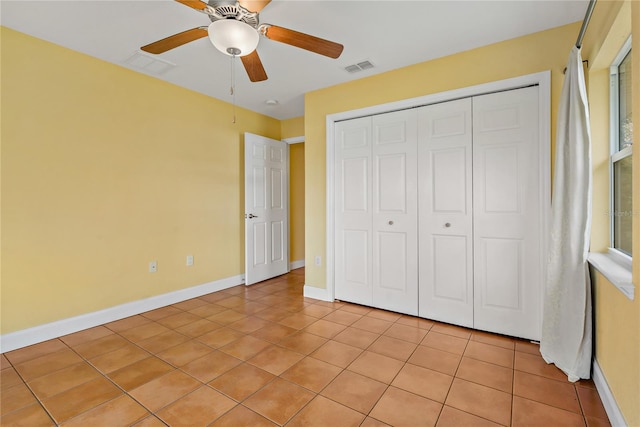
pixel 233 86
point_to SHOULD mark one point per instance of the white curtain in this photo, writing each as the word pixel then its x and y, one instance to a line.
pixel 566 326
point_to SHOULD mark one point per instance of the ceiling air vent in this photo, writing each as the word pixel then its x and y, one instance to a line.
pixel 148 63
pixel 360 66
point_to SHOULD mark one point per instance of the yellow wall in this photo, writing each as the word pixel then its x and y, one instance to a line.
pixel 617 319
pixel 296 190
pixel 547 50
pixel 617 341
pixel 292 128
pixel 105 169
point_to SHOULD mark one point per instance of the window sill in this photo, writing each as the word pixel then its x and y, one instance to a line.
pixel 616 269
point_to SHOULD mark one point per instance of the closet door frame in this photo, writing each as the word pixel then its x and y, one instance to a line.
pixel 542 79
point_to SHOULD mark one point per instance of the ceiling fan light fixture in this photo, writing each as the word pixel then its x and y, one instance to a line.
pixel 233 37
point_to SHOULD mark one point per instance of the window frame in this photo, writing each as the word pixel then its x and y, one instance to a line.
pixel 615 153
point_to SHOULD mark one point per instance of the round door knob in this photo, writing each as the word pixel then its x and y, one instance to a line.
pixel 390 222
pixel 447 225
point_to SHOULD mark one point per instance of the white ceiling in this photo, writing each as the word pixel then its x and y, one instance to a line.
pixel 390 34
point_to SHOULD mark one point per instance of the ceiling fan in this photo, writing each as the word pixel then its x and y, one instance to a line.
pixel 235 30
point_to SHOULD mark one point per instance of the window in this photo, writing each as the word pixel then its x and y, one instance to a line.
pixel 621 149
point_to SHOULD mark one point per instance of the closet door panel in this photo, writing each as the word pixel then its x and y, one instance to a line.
pixel 353 222
pixel 392 274
pixel 445 212
pixel 507 213
pixel 450 275
pixel 355 269
pixel 448 176
pixel 391 183
pixel 394 198
pixel 501 261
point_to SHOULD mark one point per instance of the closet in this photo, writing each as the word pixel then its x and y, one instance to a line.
pixel 438 212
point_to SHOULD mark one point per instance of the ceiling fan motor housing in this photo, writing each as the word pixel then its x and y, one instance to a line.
pixel 231 10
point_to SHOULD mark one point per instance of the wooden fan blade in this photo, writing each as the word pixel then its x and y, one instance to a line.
pixel 254 5
pixel 176 40
pixel 303 41
pixel 194 4
pixel 253 65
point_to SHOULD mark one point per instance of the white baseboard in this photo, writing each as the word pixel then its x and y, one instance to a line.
pixel 25 337
pixel 613 411
pixel 296 264
pixel 316 293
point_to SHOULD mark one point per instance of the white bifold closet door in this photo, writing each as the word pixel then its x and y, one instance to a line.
pixel 353 217
pixel 438 212
pixel 480 213
pixel 507 209
pixel 376 246
pixel 446 212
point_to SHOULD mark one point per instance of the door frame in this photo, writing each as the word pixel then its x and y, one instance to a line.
pixel 542 79
pixel 293 264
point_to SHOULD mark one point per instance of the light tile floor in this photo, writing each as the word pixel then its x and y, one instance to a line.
pixel 264 355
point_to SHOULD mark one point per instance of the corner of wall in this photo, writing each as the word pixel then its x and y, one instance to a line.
pixel 292 127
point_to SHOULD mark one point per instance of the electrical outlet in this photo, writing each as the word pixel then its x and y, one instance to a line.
pixel 189 260
pixel 153 266
pixel 318 260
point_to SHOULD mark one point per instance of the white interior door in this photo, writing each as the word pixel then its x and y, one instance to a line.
pixel 266 208
pixel 507 213
pixel 395 211
pixel 353 219
pixel 446 212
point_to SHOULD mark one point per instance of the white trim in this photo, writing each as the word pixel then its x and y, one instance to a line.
pixel 616 268
pixel 621 258
pixel 288 221
pixel 542 79
pixel 624 51
pixel 615 153
pixel 294 140
pixel 296 264
pixel 316 293
pixel 621 154
pixel 25 337
pixel 606 396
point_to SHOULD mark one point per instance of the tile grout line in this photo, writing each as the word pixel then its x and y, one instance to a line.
pixel 33 393
pixel 105 376
pixel 285 294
